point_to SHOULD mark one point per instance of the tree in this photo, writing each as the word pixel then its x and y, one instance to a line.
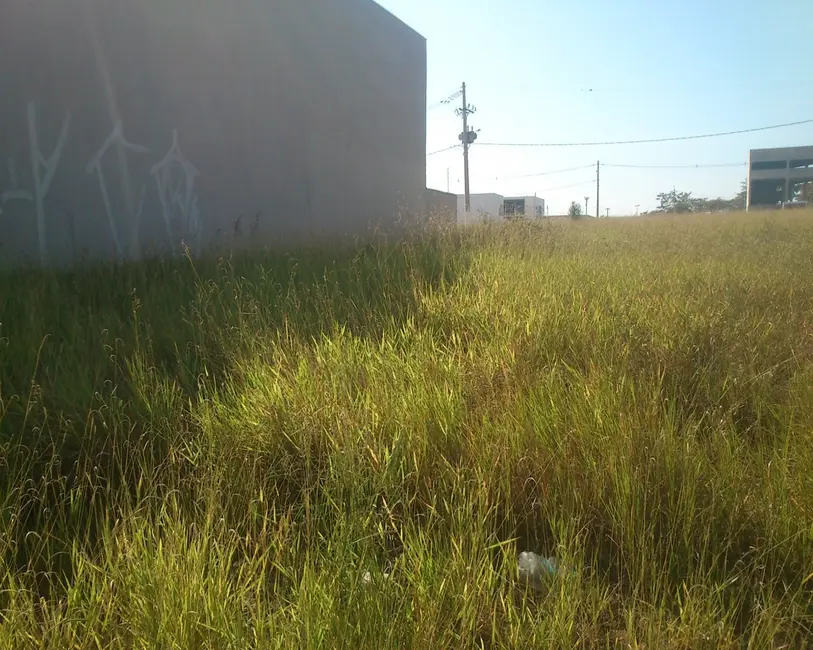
pixel 738 202
pixel 575 210
pixel 804 192
pixel 675 201
pixel 682 202
pixel 713 205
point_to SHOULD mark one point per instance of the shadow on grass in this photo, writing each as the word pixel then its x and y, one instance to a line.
pixel 75 334
pixel 99 364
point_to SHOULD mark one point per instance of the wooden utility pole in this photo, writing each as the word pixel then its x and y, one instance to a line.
pixel 466 151
pixel 598 189
pixel 467 138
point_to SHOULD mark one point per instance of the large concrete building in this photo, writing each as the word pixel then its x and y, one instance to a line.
pixel 775 176
pixel 147 125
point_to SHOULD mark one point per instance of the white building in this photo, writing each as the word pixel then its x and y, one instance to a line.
pixel 529 206
pixel 495 207
pixel 484 207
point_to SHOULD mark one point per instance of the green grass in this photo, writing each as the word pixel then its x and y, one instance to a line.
pixel 213 455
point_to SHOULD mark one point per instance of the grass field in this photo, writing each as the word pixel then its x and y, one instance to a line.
pixel 214 456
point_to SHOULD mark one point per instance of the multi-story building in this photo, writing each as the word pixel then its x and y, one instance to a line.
pixel 776 176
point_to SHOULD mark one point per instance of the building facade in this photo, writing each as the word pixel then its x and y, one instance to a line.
pixel 484 207
pixel 495 207
pixel 155 125
pixel 775 176
pixel 527 206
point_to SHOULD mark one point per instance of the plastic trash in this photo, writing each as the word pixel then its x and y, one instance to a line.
pixel 535 569
pixel 367 578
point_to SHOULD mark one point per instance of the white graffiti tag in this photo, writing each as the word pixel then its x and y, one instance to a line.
pixel 14 193
pixel 116 138
pixel 175 177
pixel 43 170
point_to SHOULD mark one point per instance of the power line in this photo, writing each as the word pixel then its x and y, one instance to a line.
pixel 565 187
pixel 446 101
pixel 648 141
pixel 619 166
pixel 435 106
pixel 548 173
pixel 590 166
pixel 636 90
pixel 699 166
pixel 454 146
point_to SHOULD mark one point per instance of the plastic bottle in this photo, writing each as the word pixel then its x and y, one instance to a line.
pixel 535 569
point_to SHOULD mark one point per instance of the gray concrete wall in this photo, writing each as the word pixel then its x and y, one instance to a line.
pixel 133 125
pixel 441 205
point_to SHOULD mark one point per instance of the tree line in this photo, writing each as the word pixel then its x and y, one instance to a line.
pixel 682 202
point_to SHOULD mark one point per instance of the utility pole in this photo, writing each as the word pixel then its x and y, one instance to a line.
pixel 467 138
pixel 637 205
pixel 598 189
pixel 448 185
pixel 608 212
pixel 586 203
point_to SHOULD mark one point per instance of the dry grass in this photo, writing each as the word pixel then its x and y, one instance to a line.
pixel 212 456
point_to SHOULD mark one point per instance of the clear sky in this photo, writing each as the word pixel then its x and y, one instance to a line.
pixel 657 68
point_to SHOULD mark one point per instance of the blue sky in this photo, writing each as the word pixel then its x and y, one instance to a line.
pixel 658 68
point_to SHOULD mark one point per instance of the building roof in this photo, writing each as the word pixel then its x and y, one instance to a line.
pixel 391 16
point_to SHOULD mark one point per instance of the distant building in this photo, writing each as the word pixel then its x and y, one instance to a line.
pixel 484 207
pixel 776 176
pixel 495 207
pixel 528 206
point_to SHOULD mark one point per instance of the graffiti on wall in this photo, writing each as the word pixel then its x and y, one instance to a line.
pixel 174 179
pixel 13 193
pixel 42 171
pixel 96 165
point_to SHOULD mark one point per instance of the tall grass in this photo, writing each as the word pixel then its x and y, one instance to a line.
pixel 350 447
